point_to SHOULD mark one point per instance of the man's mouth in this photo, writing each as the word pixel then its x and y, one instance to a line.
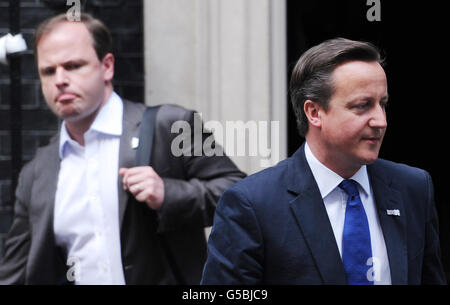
pixel 372 140
pixel 65 97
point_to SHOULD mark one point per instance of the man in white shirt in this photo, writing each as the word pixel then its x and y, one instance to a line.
pixel 333 213
pixel 84 213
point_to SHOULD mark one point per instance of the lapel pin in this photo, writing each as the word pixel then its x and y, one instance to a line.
pixel 134 142
pixel 394 212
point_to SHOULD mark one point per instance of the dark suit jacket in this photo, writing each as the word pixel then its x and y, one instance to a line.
pixel 192 188
pixel 273 228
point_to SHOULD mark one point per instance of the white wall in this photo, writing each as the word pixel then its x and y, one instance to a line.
pixel 223 58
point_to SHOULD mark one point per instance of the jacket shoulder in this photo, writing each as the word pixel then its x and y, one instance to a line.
pixel 43 152
pixel 398 171
pixel 172 112
pixel 403 177
pixel 263 184
pixel 166 112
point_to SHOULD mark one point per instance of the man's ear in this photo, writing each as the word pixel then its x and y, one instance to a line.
pixel 312 112
pixel 108 67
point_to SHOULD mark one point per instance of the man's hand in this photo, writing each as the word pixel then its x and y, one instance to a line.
pixel 145 185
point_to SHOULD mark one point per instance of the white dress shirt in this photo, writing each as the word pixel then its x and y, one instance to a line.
pixel 86 214
pixel 335 200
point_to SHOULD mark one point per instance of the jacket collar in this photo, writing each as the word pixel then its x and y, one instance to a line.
pixel 132 116
pixel 312 218
pixel 388 198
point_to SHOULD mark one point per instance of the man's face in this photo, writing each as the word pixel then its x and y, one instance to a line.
pixel 354 125
pixel 74 81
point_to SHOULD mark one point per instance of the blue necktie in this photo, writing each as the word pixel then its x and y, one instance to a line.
pixel 356 248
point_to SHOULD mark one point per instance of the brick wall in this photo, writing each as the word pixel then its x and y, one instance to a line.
pixel 125 20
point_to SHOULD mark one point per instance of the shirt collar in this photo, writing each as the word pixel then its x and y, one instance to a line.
pixel 327 180
pixel 108 121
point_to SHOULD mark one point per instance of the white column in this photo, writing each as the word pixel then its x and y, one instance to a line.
pixel 225 59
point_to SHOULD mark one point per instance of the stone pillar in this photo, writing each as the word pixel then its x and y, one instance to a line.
pixel 227 60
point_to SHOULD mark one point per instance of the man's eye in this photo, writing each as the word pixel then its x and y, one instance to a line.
pixel 362 106
pixel 47 72
pixel 72 66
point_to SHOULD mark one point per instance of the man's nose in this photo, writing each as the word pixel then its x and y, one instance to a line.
pixel 378 119
pixel 61 77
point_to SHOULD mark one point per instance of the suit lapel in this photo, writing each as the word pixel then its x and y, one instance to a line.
pixel 309 211
pixel 132 115
pixel 46 264
pixel 44 188
pixel 393 227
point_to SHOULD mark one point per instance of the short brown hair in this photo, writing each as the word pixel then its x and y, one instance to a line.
pixel 311 78
pixel 101 36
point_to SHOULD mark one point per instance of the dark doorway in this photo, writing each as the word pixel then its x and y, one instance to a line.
pixel 410 37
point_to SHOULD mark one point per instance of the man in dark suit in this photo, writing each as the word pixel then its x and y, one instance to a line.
pixel 333 213
pixel 84 213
